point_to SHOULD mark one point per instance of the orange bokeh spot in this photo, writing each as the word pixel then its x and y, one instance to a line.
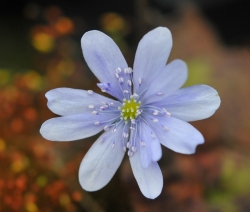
pixel 64 25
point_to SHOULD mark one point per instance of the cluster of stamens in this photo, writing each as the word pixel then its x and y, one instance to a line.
pixel 130 109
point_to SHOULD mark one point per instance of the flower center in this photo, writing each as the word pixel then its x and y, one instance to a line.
pixel 130 109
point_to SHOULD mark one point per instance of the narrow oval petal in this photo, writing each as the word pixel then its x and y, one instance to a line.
pixel 168 80
pixel 101 161
pixel 192 103
pixel 180 137
pixel 103 58
pixel 150 180
pixel 74 127
pixel 151 56
pixel 68 101
pixel 150 145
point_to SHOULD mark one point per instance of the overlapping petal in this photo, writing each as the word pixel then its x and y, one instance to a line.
pixel 68 101
pixel 176 134
pixel 151 56
pixel 167 80
pixel 192 103
pixel 103 57
pixel 150 149
pixel 101 161
pixel 150 180
pixel 75 127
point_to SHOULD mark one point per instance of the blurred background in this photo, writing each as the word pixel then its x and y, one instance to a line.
pixel 40 50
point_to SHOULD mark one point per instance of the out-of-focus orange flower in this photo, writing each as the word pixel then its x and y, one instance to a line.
pixel 64 25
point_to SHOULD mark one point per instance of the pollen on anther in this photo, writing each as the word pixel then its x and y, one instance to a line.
pixel 96 123
pixel 91 106
pixel 90 92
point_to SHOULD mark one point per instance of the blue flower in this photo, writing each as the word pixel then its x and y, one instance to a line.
pixel 150 110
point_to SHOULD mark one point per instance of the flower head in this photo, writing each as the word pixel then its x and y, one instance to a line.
pixel 150 110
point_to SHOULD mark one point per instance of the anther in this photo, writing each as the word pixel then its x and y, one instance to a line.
pixel 128 144
pixel 124 149
pixel 106 128
pixel 125 91
pixel 155 112
pixel 155 120
pixel 94 112
pixel 90 92
pixel 139 81
pixel 114 130
pixel 165 128
pixel 113 145
pixel 117 75
pixel 130 153
pixel 91 106
pixel 143 143
pixel 118 70
pixel 130 70
pixel 159 94
pixel 129 83
pixel 121 80
pixel 97 123
pixel 134 148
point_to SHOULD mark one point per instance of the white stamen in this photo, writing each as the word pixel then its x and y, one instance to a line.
pixel 166 112
pixel 165 128
pixel 125 71
pixel 124 149
pixel 153 135
pixel 125 135
pixel 130 70
pixel 118 70
pixel 155 112
pixel 113 144
pixel 121 80
pixel 135 95
pixel 134 148
pixel 128 144
pixel 90 92
pixel 97 123
pixel 130 153
pixel 125 91
pixel 103 90
pixel 139 81
pixel 129 83
pixel 114 130
pixel 106 128
pixel 91 106
pixel 117 75
pixel 159 94
pixel 94 112
pixel 111 103
pixel 155 120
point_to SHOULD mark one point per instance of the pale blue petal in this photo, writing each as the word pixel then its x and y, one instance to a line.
pixel 192 103
pixel 74 127
pixel 103 58
pixel 151 56
pixel 101 161
pixel 180 137
pixel 150 180
pixel 156 151
pixel 68 101
pixel 150 145
pixel 168 80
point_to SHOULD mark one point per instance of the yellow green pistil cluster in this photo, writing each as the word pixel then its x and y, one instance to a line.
pixel 130 109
